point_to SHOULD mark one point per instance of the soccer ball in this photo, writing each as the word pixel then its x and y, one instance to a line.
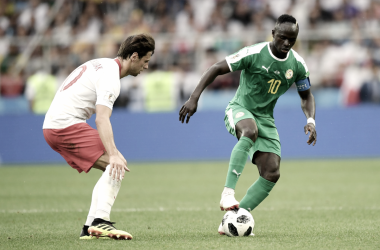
pixel 238 223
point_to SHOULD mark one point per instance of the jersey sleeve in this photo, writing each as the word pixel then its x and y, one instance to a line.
pixel 302 80
pixel 302 70
pixel 108 86
pixel 240 60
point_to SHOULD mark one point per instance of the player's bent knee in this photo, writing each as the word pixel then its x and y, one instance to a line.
pixel 251 134
pixel 271 176
pixel 271 171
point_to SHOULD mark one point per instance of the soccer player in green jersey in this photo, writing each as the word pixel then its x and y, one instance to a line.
pixel 267 71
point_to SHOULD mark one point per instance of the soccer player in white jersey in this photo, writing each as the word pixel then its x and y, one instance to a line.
pixel 93 88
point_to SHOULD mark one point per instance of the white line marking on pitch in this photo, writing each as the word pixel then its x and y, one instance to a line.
pixel 184 209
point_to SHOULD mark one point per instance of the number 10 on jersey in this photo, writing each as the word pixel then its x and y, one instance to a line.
pixel 274 84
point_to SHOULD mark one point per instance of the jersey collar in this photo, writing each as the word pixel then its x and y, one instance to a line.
pixel 118 63
pixel 276 58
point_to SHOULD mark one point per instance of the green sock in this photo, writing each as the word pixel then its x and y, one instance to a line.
pixel 237 161
pixel 256 193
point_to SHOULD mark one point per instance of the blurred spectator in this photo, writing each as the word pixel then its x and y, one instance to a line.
pixel 353 78
pixel 185 22
pixel 9 60
pixel 337 39
pixel 34 16
pixel 202 12
pixel 4 20
pixel 277 7
pixel 160 91
pixel 262 20
pixel 11 85
pixel 370 91
pixel 4 44
pixel 86 32
pixel 61 32
pixel 40 91
pixel 136 23
pixel 318 14
pixel 217 22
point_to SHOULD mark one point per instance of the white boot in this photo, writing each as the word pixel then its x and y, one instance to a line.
pixel 228 201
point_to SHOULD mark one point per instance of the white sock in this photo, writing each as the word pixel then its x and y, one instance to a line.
pixel 94 203
pixel 107 192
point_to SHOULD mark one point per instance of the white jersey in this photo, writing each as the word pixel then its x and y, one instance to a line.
pixel 94 82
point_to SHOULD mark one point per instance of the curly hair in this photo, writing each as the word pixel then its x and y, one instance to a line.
pixel 141 43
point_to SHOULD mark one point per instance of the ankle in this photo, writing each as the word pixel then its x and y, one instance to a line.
pixel 228 191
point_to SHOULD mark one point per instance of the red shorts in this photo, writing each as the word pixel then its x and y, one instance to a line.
pixel 79 145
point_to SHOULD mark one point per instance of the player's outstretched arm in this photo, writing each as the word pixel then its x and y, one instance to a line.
pixel 190 106
pixel 308 107
pixel 117 162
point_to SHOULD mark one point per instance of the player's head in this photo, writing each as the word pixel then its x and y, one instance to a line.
pixel 137 49
pixel 285 34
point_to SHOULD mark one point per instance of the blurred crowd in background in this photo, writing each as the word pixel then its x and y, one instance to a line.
pixel 41 42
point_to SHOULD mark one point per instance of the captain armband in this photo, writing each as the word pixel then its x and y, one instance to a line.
pixel 303 85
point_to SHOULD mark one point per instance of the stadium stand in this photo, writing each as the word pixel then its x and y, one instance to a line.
pixel 339 40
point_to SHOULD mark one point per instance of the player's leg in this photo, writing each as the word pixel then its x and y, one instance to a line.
pixel 106 195
pixel 100 164
pixel 246 132
pixel 85 235
pixel 268 165
pixel 82 148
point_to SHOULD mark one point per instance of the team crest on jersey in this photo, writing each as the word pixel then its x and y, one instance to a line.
pixel 239 114
pixel 289 74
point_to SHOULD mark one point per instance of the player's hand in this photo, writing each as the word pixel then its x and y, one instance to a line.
pixel 313 133
pixel 189 108
pixel 118 167
pixel 125 161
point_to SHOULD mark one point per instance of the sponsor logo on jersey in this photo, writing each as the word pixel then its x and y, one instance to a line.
pixel 239 114
pixel 277 72
pixel 265 68
pixel 289 74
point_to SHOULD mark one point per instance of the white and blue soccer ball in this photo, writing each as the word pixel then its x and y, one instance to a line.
pixel 238 223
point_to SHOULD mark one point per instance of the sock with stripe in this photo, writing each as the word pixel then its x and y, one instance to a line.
pixel 107 193
pixel 238 160
pixel 256 193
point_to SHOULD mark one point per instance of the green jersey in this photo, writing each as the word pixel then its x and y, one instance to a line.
pixel 264 77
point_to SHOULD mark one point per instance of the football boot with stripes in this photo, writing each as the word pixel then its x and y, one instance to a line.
pixel 102 228
pixel 84 235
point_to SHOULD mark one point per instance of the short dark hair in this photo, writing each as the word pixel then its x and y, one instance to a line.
pixel 141 43
pixel 285 18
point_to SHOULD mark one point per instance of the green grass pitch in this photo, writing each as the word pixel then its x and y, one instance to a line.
pixel 317 204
